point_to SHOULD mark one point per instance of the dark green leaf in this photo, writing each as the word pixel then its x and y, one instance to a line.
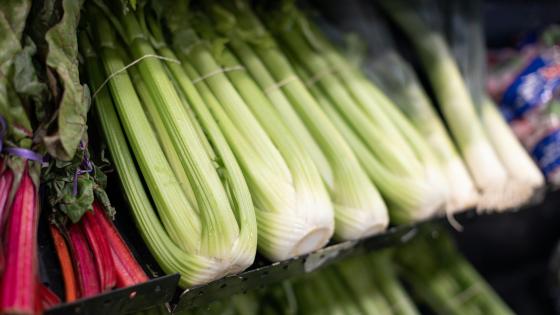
pixel 62 59
pixel 16 12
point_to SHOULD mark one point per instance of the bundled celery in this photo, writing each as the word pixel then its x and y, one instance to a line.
pixel 378 131
pixel 359 209
pixel 326 292
pixel 169 256
pixel 444 279
pixel 398 80
pixel 489 174
pixel 363 286
pixel 219 152
pixel 467 42
pixel 405 197
pixel 208 239
pixel 385 277
pixel 293 208
pixel 352 286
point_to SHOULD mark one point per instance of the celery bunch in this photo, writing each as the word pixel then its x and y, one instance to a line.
pixel 206 236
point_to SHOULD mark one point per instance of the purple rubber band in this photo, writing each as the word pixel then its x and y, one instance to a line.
pixel 26 154
pixel 21 152
pixel 85 168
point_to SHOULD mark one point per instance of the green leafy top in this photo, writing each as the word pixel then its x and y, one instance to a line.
pixel 19 85
pixel 41 98
pixel 67 122
pixel 73 185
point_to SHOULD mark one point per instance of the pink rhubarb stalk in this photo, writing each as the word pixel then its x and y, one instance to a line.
pixel 6 180
pixel 100 249
pixel 85 265
pixel 129 271
pixel 18 285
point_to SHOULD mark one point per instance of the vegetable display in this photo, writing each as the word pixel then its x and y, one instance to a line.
pixel 382 63
pixel 499 189
pixel 241 131
pixel 267 137
pixel 445 282
pixel 467 43
pixel 359 209
pixel 38 62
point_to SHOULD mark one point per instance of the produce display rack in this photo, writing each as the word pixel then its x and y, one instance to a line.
pixel 264 275
pixel 163 289
pixel 123 301
pixel 261 274
pixel 160 289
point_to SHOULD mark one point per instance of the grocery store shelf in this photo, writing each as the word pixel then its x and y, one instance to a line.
pixel 264 275
pixel 164 289
pixel 123 301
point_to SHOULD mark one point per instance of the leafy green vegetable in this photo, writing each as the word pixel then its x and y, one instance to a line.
pixel 71 97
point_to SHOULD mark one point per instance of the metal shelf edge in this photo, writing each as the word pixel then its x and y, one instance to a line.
pixel 260 277
pixel 122 301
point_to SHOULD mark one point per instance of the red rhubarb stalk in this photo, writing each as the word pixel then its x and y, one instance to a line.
pixel 101 251
pixel 84 263
pixel 49 299
pixel 6 180
pixel 18 284
pixel 68 274
pixel 129 271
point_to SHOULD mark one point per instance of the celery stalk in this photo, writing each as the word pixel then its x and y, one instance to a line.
pixel 237 188
pixel 408 199
pixel 385 276
pixel 444 279
pixel 363 287
pixel 178 210
pixel 488 172
pixel 163 137
pixel 217 233
pixel 313 202
pixel 359 209
pixel 384 131
pixel 194 269
pixel 468 46
pixel 401 84
pixel 294 212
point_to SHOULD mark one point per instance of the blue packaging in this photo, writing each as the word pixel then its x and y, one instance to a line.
pixel 530 104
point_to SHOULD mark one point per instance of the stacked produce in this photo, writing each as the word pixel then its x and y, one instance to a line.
pixel 375 52
pixel 338 289
pixel 92 254
pixel 359 209
pixel 505 180
pixel 234 129
pixel 42 110
pixel 442 278
pixel 467 42
pixel 208 232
